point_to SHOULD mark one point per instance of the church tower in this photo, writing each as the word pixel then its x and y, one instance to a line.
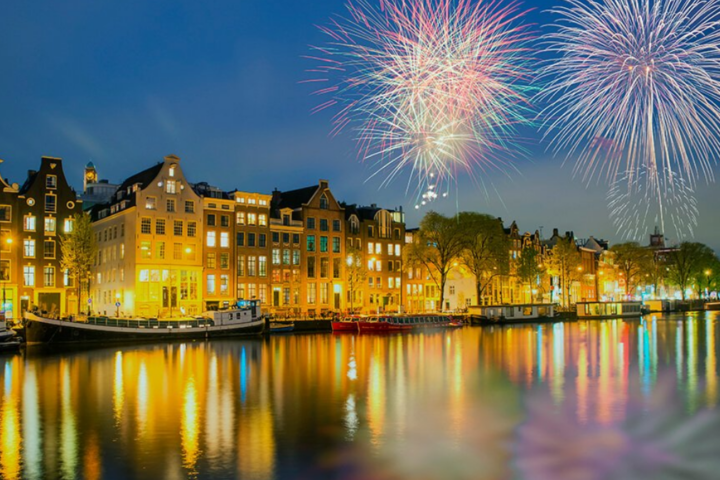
pixel 91 176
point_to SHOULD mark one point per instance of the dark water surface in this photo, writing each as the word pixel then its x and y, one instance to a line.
pixel 576 401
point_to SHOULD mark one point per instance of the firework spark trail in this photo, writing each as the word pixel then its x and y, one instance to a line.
pixel 429 86
pixel 642 75
pixel 633 203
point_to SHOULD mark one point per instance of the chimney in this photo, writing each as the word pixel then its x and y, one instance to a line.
pixel 323 184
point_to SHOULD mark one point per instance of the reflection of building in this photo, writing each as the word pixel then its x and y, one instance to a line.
pixel 378 235
pixel 149 245
pixel 46 205
pixel 323 254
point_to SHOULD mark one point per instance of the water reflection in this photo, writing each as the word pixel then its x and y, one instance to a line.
pixel 431 405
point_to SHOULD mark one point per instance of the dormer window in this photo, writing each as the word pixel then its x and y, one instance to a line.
pixel 324 202
pixel 170 187
pixel 171 172
pixel 51 182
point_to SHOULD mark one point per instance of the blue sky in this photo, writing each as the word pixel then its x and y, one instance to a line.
pixel 124 83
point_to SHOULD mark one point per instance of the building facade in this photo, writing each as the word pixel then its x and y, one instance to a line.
pixel 150 250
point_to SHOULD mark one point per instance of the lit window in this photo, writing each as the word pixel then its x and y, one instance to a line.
pixel 211 239
pixel 29 275
pixel 252 219
pixel 224 284
pixel 144 276
pixel 160 250
pixel 371 248
pixel 150 203
pixel 171 171
pixel 240 218
pixel 378 248
pixel 211 284
pixel 224 240
pixel 49 276
pixel 262 266
pixel 29 248
pixel 170 187
pixel 69 225
pixel 263 220
pixel 210 262
pixel 50 225
pixel 30 223
pixel 397 250
pixel 145 251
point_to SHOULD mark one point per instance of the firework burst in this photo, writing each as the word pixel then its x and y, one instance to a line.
pixel 640 76
pixel 429 86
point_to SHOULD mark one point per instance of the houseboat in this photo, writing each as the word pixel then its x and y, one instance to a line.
pixel 6 334
pixel 397 323
pixel 605 310
pixel 244 319
pixel 712 306
pixel 497 314
pixel 347 324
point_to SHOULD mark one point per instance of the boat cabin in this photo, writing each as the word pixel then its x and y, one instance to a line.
pixel 609 309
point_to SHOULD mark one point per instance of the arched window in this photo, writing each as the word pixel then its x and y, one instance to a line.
pixel 354 225
pixel 323 202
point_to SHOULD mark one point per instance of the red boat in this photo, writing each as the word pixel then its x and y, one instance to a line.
pixel 374 324
pixel 395 323
pixel 348 324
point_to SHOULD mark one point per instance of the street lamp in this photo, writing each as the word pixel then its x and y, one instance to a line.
pixel 9 242
pixel 117 304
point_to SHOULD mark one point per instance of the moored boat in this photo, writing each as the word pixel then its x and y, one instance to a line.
pixel 279 327
pixel 245 319
pixel 608 310
pixel 6 334
pixel 347 324
pixel 502 314
pixel 395 323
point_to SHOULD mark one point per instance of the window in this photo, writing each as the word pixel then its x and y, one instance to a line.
pixel 311 267
pixel 370 231
pixel 312 293
pixel 262 220
pixel 251 266
pixel 170 205
pixel 378 266
pixel 50 203
pixel 69 225
pixel 178 228
pixel 29 223
pixel 378 248
pixel 122 251
pixel 240 239
pixel 397 250
pixel 170 187
pixel 5 213
pixel 160 226
pixel 49 249
pixel 177 251
pixel 145 225
pixel 323 244
pixel 49 276
pixel 224 261
pixel 189 206
pixel 371 265
pixel 240 218
pixel 252 201
pixel 210 261
pixel 286 257
pixel 311 223
pixel 122 229
pixel 150 203
pixel 51 181
pixel 224 240
pixel 391 283
pixel 336 245
pixel 276 256
pixel 324 267
pixel 336 225
pixel 323 225
pixel 286 238
pixel 324 202
pixel 211 284
pixel 390 249
pixel 192 229
pixel 262 240
pixel 451 288
pixel 252 219
pixel 324 290
pixel 336 268
pixel 251 240
pixel 262 266
pixel 224 220
pixel 276 237
pixel 211 220
pixel 296 257
pixel 371 248
pixel 29 275
pixel 224 284
pixel 241 266
pixel 296 239
pixel 210 239
pixel 29 248
pixel 160 250
pixel 145 251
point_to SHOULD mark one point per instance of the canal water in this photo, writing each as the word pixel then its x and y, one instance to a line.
pixel 581 400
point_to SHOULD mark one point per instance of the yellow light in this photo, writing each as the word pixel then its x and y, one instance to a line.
pixel 8 240
pixel 188 250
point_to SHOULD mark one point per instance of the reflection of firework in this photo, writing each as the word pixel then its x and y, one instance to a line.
pixel 643 75
pixel 636 199
pixel 430 86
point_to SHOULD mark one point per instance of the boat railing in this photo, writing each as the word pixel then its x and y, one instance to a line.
pixel 148 323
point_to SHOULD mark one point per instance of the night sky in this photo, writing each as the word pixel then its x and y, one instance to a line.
pixel 125 83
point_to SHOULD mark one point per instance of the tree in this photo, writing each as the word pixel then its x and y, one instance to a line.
pixel 435 246
pixel 564 262
pixel 484 249
pixel 688 263
pixel 79 249
pixel 529 267
pixel 633 261
pixel 356 273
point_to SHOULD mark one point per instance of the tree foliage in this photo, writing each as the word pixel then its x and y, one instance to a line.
pixel 634 261
pixel 563 262
pixel 529 267
pixel 688 263
pixel 484 249
pixel 78 250
pixel 356 273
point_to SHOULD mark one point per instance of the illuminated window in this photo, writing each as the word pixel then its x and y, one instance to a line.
pixel 145 251
pixel 29 275
pixel 170 187
pixel 160 250
pixel 29 223
pixel 29 248
pixel 262 220
pixel 262 266
pixel 397 250
pixel 241 267
pixel 211 239
pixel 211 284
pixel 50 225
pixel 324 268
pixel 210 260
pixel 312 293
pixel 378 248
pixel 296 257
pixel 122 251
pixel 286 257
pixel 390 249
pixel 251 266
pixel 276 256
pixel 224 261
pixel 144 276
pixel 224 240
pixel 252 219
pixel 324 290
pixel 151 203
pixel 240 218
pixel 224 284
pixel 69 225
pixel 371 248
pixel 49 276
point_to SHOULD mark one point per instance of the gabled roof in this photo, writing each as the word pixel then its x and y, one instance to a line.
pixel 32 175
pixel 293 198
pixel 144 177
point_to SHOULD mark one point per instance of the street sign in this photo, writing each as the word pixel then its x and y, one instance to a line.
pixel 117 304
